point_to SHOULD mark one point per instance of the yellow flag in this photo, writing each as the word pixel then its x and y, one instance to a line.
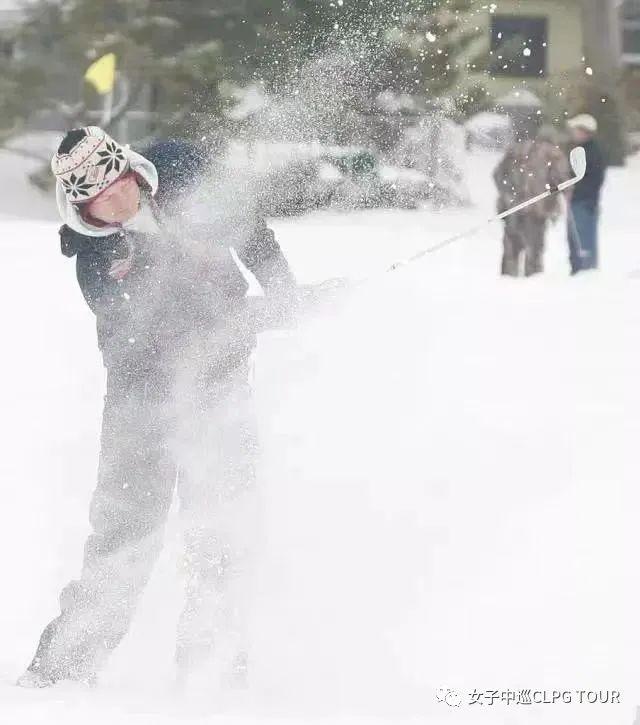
pixel 102 73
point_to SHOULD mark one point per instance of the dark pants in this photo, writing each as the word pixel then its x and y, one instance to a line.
pixel 523 235
pixel 194 429
pixel 583 236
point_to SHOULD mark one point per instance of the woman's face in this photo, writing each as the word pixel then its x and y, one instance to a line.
pixel 118 203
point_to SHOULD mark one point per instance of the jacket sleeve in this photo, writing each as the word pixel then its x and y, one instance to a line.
pixel 262 255
pixel 598 166
pixel 97 289
pixel 90 274
pixel 89 265
pixel 559 169
pixel 502 180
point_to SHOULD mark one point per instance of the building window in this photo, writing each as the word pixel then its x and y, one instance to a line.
pixel 631 9
pixel 518 46
pixel 631 40
pixel 7 47
pixel 631 37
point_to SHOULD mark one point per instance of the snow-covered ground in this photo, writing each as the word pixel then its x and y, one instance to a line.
pixel 27 154
pixel 449 484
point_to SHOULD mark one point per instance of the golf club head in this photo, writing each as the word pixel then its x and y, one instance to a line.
pixel 578 161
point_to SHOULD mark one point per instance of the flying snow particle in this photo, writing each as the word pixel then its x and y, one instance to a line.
pixel 526 52
pixel 589 71
pixel 431 37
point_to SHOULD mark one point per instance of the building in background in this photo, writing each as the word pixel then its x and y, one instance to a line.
pixel 630 23
pixel 567 52
pixel 630 20
pixel 527 43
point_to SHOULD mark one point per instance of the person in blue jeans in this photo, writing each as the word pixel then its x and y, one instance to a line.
pixel 584 207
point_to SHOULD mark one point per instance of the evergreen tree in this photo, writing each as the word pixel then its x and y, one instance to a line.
pixel 339 56
pixel 179 53
pixel 181 58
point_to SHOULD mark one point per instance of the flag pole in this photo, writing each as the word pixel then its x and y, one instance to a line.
pixel 107 109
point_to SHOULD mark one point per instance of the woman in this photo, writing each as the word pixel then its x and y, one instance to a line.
pixel 174 334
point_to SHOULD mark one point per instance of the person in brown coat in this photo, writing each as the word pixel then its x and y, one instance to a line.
pixel 527 169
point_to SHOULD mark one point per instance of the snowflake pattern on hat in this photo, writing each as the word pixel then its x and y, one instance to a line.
pixel 76 187
pixel 112 157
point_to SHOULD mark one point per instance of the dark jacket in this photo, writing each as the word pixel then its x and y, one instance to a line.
pixel 178 293
pixel 588 190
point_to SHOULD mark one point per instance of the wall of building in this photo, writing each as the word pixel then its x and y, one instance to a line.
pixel 565 42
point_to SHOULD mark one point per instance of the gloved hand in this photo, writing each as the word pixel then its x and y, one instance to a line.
pixel 312 295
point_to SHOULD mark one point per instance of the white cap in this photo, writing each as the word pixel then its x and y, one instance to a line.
pixel 584 121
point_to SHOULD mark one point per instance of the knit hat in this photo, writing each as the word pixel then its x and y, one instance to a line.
pixel 88 161
pixel 585 122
